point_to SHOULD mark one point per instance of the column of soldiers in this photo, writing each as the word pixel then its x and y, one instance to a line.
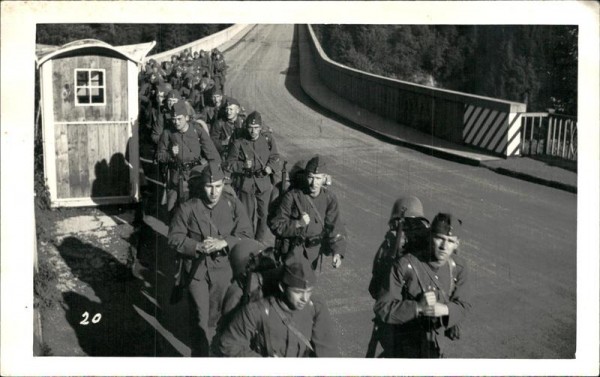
pixel 228 194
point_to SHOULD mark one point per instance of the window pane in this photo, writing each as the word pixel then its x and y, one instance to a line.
pixel 83 95
pixel 97 95
pixel 82 78
pixel 97 78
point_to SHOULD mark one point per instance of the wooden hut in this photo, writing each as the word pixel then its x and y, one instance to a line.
pixel 89 102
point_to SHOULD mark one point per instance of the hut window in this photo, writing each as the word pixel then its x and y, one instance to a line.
pixel 90 87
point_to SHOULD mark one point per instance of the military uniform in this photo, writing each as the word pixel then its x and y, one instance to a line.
pixel 253 184
pixel 219 70
pixel 407 213
pixel 223 131
pixel 193 222
pixel 274 326
pixel 210 113
pixel 176 79
pixel 406 334
pixel 320 236
pixel 160 116
pixel 194 144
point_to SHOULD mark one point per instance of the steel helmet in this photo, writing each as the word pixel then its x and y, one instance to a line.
pixel 407 206
pixel 240 255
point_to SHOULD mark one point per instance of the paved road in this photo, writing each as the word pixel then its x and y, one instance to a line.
pixel 519 238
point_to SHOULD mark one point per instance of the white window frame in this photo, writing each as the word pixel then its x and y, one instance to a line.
pixel 89 86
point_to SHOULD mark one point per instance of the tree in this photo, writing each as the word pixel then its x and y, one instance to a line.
pixel 536 64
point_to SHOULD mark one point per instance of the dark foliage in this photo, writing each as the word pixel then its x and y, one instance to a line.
pixel 535 64
pixel 167 36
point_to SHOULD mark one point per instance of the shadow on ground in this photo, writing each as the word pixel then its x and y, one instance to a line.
pixel 558 162
pixel 108 324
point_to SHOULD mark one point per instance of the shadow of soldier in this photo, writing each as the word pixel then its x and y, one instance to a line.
pixel 111 178
pixel 106 322
pixel 157 270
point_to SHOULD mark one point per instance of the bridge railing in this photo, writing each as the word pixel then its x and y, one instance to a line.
pixel 549 134
pixel 485 123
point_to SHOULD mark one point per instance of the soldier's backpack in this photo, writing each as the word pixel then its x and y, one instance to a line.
pixel 262 276
pixel 382 265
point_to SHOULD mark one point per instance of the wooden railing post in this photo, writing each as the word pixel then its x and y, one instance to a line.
pixel 548 133
pixel 532 126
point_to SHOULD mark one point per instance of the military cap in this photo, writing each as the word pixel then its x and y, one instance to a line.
pixel 233 101
pixel 298 274
pixel 216 91
pixel 443 223
pixel 254 119
pixel 240 255
pixel 174 93
pixel 209 173
pixel 179 108
pixel 316 165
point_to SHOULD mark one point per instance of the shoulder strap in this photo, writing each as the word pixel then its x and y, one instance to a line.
pixel 412 267
pixel 228 198
pixel 314 207
pixel 265 327
pixel 452 267
pixel 267 136
pixel 290 325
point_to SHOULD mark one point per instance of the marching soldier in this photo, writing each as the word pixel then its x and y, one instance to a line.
pixel 309 218
pixel 176 79
pixel 226 128
pixel 408 232
pixel 159 111
pixel 183 148
pixel 205 63
pixel 291 323
pixel 205 89
pixel 214 108
pixel 427 296
pixel 253 160
pixel 219 68
pixel 203 230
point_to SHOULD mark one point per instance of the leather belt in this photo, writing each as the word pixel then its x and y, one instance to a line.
pixel 256 173
pixel 312 241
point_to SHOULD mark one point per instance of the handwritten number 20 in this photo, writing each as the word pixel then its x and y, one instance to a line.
pixel 95 319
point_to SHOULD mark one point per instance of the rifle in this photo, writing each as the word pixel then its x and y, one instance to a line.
pixel 400 236
pixel 285 181
pixel 163 200
pixel 387 261
pixel 280 244
pixel 372 348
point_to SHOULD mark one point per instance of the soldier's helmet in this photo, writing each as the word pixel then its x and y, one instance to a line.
pixel 240 255
pixel 415 224
pixel 408 206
